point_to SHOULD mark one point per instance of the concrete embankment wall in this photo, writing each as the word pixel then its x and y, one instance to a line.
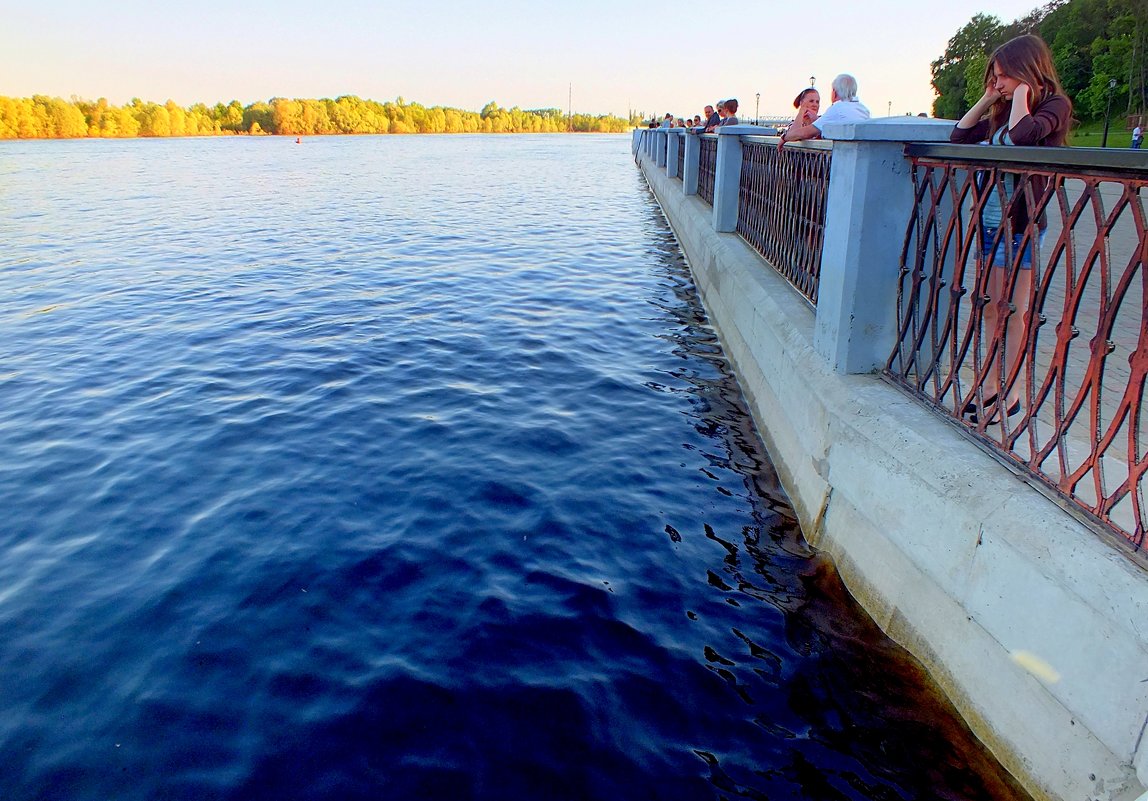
pixel 1032 624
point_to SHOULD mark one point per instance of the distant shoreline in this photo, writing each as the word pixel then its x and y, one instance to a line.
pixel 42 117
pixel 265 135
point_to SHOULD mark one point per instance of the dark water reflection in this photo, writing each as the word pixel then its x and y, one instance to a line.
pixel 405 467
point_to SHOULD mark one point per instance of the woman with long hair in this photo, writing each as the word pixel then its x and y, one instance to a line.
pixel 1023 104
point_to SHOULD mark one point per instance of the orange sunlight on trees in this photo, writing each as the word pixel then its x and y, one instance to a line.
pixel 40 117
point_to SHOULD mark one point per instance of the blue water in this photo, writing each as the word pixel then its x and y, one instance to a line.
pixel 404 468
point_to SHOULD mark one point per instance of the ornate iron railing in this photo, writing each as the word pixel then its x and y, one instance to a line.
pixel 681 156
pixel 707 161
pixel 781 206
pixel 1061 324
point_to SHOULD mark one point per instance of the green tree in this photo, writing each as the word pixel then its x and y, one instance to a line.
pixel 975 78
pixel 980 36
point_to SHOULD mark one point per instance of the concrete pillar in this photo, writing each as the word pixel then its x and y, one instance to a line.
pixel 636 144
pixel 870 198
pixel 672 144
pixel 693 147
pixel 727 175
pixel 661 147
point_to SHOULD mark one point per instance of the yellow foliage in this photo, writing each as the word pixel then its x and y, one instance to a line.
pixel 41 117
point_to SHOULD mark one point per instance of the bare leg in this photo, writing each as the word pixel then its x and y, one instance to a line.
pixel 1017 332
pixel 991 382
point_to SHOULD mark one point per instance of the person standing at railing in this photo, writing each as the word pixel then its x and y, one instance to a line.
pixel 730 107
pixel 716 118
pixel 808 105
pixel 711 117
pixel 1023 104
pixel 846 108
pixel 1137 137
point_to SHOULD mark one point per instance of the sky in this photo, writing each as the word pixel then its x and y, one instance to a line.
pixel 598 56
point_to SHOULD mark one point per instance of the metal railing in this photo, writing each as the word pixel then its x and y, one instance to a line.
pixel 781 207
pixel 707 162
pixel 681 157
pixel 1059 322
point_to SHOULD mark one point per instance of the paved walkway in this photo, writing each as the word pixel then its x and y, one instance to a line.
pixel 1095 283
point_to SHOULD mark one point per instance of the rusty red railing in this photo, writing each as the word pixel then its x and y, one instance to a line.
pixel 707 162
pixel 781 207
pixel 1034 332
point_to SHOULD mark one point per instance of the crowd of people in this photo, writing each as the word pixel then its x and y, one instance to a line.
pixel 806 125
pixel 725 114
pixel 1023 104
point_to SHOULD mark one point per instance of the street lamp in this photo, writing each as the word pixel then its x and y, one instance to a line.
pixel 811 80
pixel 1107 111
pixel 757 109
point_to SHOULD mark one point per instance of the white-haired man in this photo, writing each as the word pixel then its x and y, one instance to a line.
pixel 846 108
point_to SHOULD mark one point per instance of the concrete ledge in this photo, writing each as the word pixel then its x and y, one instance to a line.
pixel 1031 624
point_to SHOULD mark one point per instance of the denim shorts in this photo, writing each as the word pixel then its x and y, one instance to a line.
pixel 1000 256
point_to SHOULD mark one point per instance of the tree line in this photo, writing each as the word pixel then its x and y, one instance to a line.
pixel 41 117
pixel 1093 43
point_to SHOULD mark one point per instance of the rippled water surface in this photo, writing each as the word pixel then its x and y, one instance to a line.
pixel 404 468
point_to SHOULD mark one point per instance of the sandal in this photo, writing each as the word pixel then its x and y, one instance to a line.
pixel 994 418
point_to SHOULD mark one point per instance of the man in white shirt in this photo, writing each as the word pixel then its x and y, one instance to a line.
pixel 1137 137
pixel 846 108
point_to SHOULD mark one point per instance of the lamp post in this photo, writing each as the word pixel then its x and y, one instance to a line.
pixel 1107 112
pixel 757 109
pixel 811 80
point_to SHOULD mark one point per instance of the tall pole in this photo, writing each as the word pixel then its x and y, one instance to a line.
pixel 757 110
pixel 1107 112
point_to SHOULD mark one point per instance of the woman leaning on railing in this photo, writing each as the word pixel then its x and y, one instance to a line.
pixel 1023 104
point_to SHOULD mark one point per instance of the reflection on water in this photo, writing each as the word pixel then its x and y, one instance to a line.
pixel 405 467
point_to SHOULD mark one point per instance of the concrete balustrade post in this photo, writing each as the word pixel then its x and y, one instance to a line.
pixel 867 212
pixel 727 176
pixel 693 146
pixel 672 144
pixel 661 153
pixel 637 141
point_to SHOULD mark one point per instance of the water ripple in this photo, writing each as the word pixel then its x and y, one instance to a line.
pixel 404 467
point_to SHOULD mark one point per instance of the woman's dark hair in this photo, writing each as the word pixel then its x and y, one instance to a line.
pixel 802 95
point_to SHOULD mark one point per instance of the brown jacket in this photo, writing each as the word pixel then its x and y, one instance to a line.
pixel 1045 126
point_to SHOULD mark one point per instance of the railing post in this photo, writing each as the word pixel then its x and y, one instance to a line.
pixel 867 213
pixel 661 135
pixel 637 141
pixel 672 144
pixel 727 176
pixel 693 154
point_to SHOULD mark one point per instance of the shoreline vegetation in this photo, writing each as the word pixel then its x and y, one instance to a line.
pixel 42 117
pixel 1099 47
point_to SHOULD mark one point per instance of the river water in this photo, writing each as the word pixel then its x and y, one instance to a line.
pixel 405 468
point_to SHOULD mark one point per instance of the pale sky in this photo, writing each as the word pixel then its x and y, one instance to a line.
pixel 611 55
